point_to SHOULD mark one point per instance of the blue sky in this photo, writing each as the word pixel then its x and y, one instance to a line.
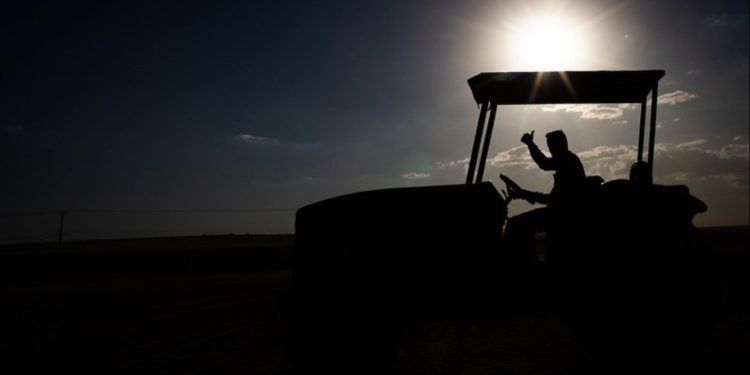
pixel 205 105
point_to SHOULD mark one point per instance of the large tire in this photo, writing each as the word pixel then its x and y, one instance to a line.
pixel 633 277
pixel 369 264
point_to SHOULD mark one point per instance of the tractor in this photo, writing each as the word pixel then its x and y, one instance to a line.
pixel 625 268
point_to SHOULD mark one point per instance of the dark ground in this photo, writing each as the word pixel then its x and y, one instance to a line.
pixel 210 304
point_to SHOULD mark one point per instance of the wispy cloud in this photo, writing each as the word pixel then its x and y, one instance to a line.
pixel 692 145
pixel 686 161
pixel 735 151
pixel 607 112
pixel 515 156
pixel 415 176
pixel 675 97
pixel 676 162
pixel 608 152
pixel 250 138
pixel 587 111
pixel 453 163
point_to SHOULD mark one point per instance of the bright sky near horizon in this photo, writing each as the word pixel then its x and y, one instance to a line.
pixel 234 105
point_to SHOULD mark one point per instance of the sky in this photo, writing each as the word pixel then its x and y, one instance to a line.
pixel 178 118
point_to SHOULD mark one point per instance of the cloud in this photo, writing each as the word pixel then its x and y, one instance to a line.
pixel 674 162
pixel 682 162
pixel 453 163
pixel 678 96
pixel 735 151
pixel 737 138
pixel 515 156
pixel 415 176
pixel 249 138
pixel 601 113
pixel 692 145
pixel 608 152
pixel 729 151
pixel 587 111
pixel 610 162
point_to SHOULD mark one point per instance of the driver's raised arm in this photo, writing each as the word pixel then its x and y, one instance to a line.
pixel 545 163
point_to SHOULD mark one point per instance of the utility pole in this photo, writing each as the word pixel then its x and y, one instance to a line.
pixel 60 233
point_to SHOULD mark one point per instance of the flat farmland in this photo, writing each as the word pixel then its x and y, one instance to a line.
pixel 212 304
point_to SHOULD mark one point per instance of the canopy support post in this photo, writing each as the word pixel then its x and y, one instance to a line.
pixel 486 146
pixel 642 129
pixel 475 148
pixel 652 130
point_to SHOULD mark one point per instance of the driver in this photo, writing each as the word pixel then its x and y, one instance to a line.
pixel 569 180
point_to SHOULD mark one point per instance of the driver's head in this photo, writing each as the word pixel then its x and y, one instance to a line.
pixel 557 142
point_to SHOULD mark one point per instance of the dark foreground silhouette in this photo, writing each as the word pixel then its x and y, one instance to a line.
pixel 628 273
pixel 212 305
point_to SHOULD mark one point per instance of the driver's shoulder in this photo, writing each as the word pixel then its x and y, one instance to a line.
pixel 570 155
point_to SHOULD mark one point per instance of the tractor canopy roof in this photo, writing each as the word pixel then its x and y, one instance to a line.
pixel 564 87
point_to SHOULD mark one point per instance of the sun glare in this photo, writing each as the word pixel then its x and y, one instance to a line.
pixel 550 42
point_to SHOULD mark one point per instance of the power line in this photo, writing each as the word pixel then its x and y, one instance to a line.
pixel 184 210
pixel 28 213
pixel 125 211
pixel 33 236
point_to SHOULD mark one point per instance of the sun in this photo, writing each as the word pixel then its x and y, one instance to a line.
pixel 546 42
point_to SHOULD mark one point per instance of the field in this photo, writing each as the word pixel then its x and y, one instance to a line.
pixel 211 304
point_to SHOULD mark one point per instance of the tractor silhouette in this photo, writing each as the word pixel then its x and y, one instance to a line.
pixel 625 268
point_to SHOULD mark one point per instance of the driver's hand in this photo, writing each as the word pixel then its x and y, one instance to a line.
pixel 528 138
pixel 515 194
